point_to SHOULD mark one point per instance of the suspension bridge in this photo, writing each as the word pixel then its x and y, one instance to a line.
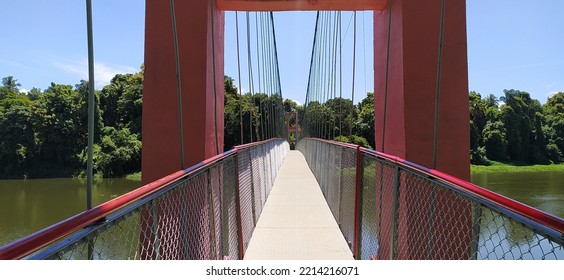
pixel 409 198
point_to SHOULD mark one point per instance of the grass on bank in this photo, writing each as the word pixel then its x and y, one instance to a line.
pixel 495 166
pixel 134 176
pixel 504 167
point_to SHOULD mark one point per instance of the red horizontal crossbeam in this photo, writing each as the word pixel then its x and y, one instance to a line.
pixel 301 5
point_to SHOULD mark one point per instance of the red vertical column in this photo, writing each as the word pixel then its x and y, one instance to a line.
pixel 199 30
pixel 200 46
pixel 406 67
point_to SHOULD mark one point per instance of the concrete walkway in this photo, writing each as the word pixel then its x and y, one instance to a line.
pixel 296 223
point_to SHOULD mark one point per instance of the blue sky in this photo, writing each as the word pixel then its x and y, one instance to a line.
pixel 511 44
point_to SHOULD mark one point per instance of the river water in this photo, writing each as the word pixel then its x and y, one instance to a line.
pixel 542 190
pixel 27 206
pixel 30 205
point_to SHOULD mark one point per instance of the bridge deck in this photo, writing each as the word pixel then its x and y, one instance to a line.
pixel 296 222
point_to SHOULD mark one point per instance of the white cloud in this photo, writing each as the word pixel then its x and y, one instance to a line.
pixel 103 73
pixel 298 102
pixel 552 93
pixel 24 91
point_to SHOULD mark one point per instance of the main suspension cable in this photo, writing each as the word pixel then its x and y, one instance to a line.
pixel 178 83
pixel 214 77
pixel 438 84
pixel 386 82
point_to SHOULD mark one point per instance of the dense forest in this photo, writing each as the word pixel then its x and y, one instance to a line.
pixel 516 129
pixel 43 132
pixel 330 120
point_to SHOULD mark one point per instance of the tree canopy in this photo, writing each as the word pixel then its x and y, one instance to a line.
pixel 44 133
pixel 516 128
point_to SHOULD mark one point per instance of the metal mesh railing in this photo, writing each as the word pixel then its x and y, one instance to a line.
pixel 398 210
pixel 258 167
pixel 334 167
pixel 208 211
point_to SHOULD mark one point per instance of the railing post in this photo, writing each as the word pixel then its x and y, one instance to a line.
pixel 357 204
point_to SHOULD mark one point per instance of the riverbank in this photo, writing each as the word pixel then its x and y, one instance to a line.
pixel 503 167
pixel 134 176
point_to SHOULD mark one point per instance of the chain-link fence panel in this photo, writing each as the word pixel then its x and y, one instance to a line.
pixel 258 166
pixel 387 208
pixel 116 239
pixel 348 191
pixel 205 212
pixel 377 201
pixel 246 195
pixel 258 180
pixel 333 192
pixel 502 237
pixel 334 168
pixel 405 211
pixel 433 221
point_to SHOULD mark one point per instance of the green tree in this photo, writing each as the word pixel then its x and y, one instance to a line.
pixel 365 123
pixel 34 94
pixel 17 141
pixel 10 83
pixel 554 129
pixel 477 152
pixel 232 119
pixel 290 105
pixel 478 113
pixel 121 102
pixel 229 86
pixel 61 130
pixel 83 91
pixel 262 115
pixel 329 119
pixel 117 154
pixel 522 118
pixel 354 139
pixel 495 141
pixel 340 118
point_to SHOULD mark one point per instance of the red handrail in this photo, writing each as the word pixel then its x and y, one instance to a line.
pixel 534 214
pixel 527 211
pixel 252 144
pixel 53 233
pixel 344 144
